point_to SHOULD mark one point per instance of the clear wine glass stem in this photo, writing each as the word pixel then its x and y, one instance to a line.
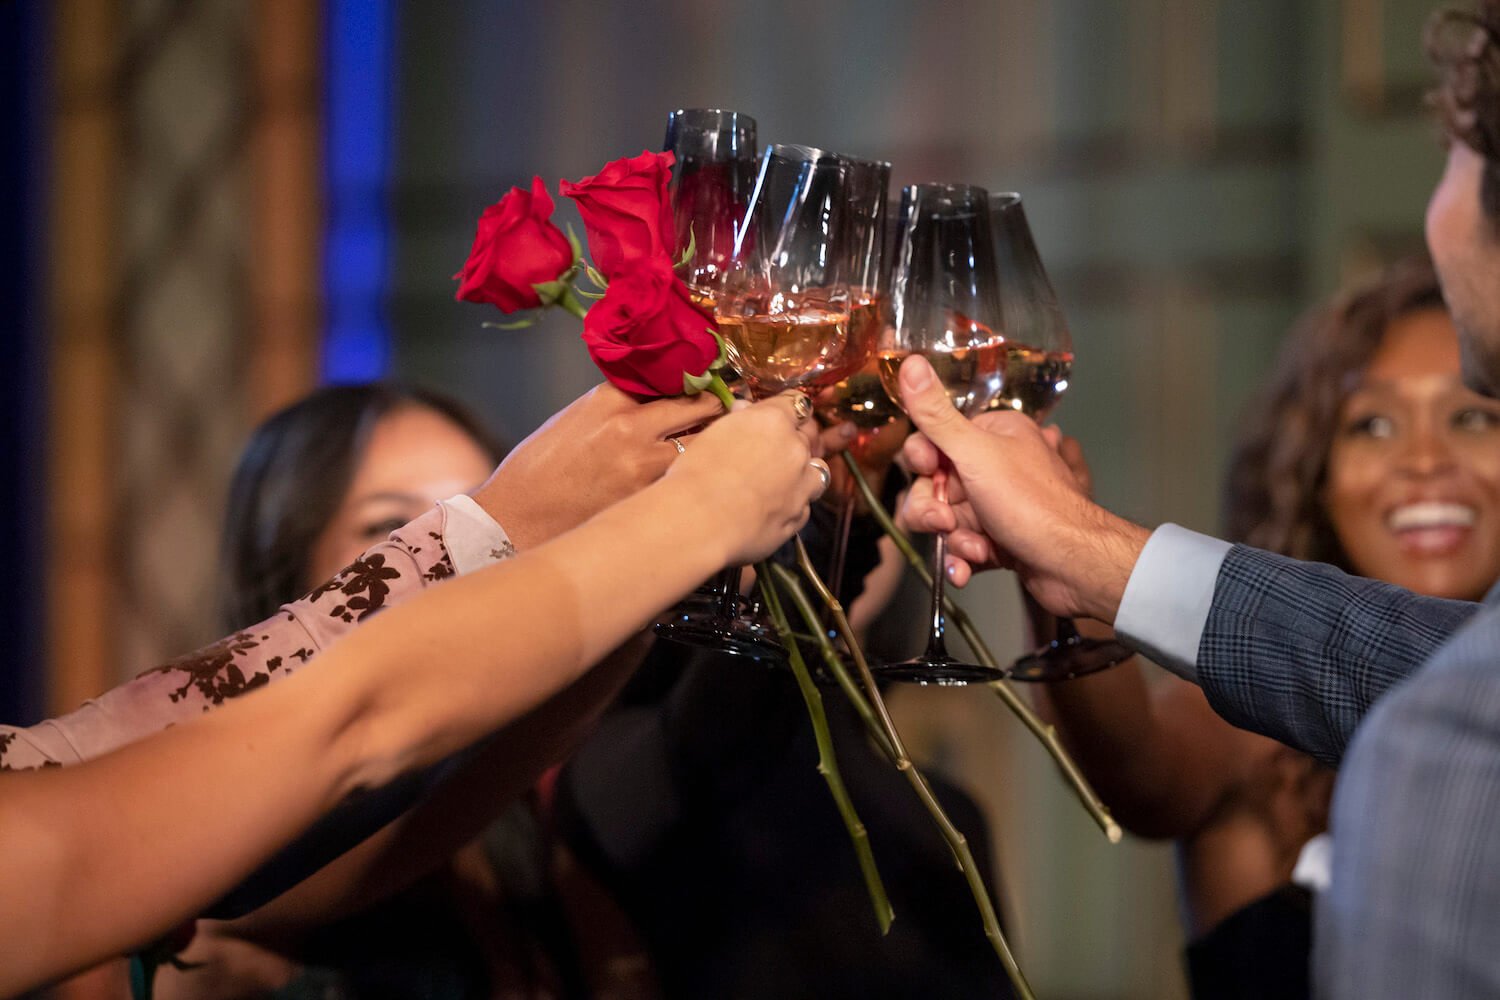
pixel 937 648
pixel 728 583
pixel 846 503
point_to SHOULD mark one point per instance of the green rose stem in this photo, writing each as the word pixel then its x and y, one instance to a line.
pixel 1045 734
pixel 827 764
pixel 831 658
pixel 889 738
pixel 569 301
pixel 717 386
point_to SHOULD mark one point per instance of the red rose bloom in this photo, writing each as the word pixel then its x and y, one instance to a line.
pixel 646 334
pixel 517 246
pixel 626 211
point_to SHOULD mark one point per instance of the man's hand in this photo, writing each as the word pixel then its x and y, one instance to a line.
pixel 1014 502
pixel 603 447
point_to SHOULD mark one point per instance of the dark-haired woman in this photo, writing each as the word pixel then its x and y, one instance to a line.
pixel 316 485
pixel 1365 451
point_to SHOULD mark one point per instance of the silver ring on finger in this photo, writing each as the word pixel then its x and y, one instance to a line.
pixel 681 448
pixel 825 474
pixel 802 407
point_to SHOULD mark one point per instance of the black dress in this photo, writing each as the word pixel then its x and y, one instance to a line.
pixel 1260 952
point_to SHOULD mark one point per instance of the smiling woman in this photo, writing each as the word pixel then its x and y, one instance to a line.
pixel 1413 489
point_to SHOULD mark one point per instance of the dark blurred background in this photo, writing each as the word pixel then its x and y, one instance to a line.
pixel 211 206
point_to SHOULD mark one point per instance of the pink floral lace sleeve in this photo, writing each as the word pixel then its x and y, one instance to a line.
pixel 413 557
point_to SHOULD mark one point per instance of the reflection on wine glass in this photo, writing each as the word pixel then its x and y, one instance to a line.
pixel 945 302
pixel 715 153
pixel 1039 361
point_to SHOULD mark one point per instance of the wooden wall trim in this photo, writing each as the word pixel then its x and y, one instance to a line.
pixel 83 295
pixel 286 158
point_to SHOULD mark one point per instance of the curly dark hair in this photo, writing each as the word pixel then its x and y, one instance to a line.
pixel 1273 492
pixel 1465 47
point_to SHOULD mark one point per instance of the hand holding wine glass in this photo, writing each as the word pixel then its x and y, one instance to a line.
pixel 1012 501
pixel 945 302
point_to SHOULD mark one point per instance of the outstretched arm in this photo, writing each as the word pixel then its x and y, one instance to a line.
pixel 113 852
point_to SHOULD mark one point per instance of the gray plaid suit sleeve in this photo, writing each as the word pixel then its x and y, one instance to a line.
pixel 1414 907
pixel 1300 651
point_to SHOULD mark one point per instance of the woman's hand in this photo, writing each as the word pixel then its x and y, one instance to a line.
pixel 754 469
pixel 601 448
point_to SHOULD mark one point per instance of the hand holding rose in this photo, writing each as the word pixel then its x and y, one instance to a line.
pixel 602 447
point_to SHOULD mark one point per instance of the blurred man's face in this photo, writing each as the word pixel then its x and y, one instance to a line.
pixel 1465 247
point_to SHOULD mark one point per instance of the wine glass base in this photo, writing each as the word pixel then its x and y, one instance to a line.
pixel 1064 659
pixel 942 672
pixel 699 624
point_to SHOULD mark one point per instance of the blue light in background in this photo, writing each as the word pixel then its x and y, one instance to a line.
pixel 357 152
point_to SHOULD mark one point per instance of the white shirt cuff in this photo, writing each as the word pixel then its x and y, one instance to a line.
pixel 473 538
pixel 1168 596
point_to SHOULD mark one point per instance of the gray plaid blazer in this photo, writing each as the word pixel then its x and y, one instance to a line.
pixel 1302 653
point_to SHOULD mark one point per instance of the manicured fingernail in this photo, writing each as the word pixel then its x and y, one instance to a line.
pixel 951 570
pixel 916 373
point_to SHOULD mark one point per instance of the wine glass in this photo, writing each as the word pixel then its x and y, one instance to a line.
pixel 784 306
pixel 716 155
pixel 945 305
pixel 711 182
pixel 857 396
pixel 1038 362
pixel 786 310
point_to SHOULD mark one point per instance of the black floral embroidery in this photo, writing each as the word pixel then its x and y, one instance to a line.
pixel 441 570
pixel 213 672
pixel 505 551
pixel 364 586
pixel 275 662
pixel 6 739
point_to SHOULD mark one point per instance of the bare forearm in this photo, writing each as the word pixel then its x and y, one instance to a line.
pixel 172 822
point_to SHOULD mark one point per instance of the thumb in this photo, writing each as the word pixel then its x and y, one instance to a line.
pixel 927 403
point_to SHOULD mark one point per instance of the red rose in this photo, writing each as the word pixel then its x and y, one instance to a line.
pixel 517 246
pixel 626 211
pixel 646 334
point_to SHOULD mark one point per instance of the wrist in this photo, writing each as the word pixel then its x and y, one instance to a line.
pixel 510 512
pixel 698 513
pixel 1117 545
